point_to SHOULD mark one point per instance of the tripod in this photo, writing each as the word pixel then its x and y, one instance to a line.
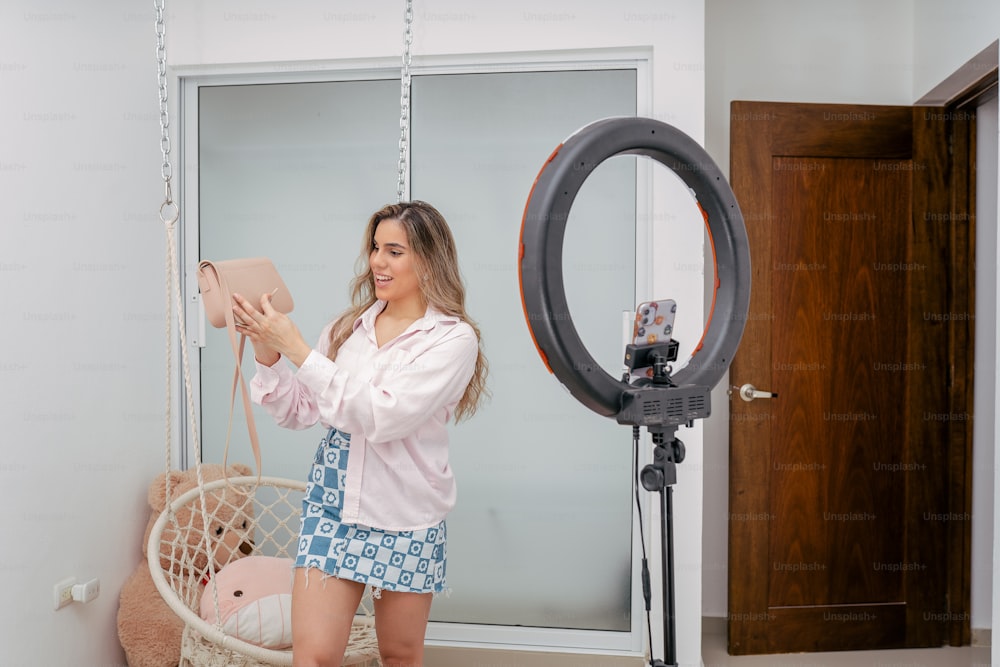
pixel 660 476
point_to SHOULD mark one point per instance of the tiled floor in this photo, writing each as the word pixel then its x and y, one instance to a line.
pixel 714 655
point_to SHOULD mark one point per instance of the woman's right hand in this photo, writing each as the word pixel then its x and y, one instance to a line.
pixel 263 353
pixel 271 333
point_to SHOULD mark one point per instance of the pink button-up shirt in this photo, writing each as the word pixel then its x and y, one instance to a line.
pixel 394 401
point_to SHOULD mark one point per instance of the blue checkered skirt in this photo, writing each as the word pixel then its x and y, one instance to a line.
pixel 408 560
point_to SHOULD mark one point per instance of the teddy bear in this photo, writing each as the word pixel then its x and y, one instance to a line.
pixel 148 630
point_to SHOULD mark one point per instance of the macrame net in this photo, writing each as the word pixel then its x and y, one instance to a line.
pixel 183 552
pixel 182 570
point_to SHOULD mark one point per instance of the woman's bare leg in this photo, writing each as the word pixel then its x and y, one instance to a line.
pixel 323 609
pixel 401 623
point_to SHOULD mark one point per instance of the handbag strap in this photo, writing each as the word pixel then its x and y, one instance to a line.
pixel 238 380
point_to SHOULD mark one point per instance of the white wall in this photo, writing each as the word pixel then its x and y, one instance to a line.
pixel 984 464
pixel 847 52
pixel 948 34
pixel 82 363
pixel 81 256
pixel 995 607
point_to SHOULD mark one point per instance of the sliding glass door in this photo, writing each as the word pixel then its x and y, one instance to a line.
pixel 542 533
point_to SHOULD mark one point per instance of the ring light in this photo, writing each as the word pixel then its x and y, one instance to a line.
pixel 540 271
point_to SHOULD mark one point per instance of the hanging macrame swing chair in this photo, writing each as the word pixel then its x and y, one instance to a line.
pixel 182 554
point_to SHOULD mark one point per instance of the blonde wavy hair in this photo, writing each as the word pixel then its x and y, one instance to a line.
pixel 433 246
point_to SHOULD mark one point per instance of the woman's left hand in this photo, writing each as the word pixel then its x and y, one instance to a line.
pixel 268 328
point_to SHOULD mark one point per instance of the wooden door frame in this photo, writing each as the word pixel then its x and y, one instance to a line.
pixel 959 95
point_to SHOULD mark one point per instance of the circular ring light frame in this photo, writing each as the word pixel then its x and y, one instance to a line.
pixel 543 227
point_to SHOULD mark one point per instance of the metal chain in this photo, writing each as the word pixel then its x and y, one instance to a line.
pixel 404 102
pixel 168 211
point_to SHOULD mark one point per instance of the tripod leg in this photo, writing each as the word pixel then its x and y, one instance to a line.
pixel 660 476
pixel 670 619
pixel 667 571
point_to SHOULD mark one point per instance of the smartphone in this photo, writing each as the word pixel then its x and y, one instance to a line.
pixel 654 322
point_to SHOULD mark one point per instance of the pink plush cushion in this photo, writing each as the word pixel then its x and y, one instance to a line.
pixel 255 600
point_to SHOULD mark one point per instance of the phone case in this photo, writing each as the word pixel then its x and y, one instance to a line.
pixel 654 322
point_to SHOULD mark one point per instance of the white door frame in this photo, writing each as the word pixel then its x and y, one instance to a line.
pixel 187 82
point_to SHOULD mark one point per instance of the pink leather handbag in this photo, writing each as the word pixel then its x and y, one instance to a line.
pixel 250 278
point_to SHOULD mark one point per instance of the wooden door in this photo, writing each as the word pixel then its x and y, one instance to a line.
pixel 849 507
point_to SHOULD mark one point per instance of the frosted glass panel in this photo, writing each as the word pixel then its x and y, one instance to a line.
pixel 291 172
pixel 541 535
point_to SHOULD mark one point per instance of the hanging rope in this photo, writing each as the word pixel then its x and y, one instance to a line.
pixel 169 213
pixel 404 102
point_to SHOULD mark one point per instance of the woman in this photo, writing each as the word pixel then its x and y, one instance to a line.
pixel 385 378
